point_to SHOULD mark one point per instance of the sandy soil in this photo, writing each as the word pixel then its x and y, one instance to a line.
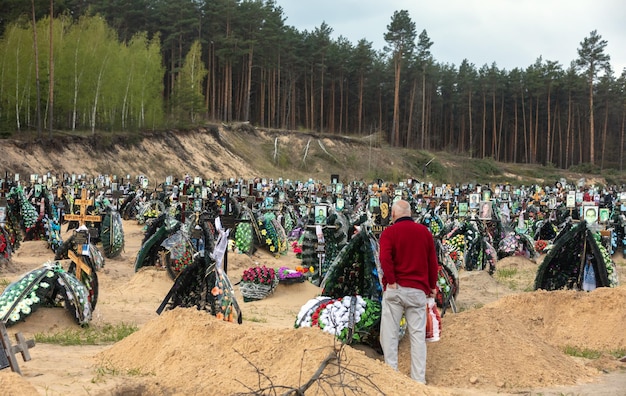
pixel 504 340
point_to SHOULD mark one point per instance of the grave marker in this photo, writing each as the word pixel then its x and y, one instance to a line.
pixel 8 351
pixel 83 203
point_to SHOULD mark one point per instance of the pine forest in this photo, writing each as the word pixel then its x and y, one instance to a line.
pixel 136 65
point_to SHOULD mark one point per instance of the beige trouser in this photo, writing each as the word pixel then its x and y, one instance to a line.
pixel 411 302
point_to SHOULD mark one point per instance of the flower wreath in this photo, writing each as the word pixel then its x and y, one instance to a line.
pixel 288 275
pixel 270 230
pixel 258 282
pixel 335 315
pixel 243 237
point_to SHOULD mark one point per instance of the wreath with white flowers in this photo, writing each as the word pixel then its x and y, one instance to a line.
pixel 350 318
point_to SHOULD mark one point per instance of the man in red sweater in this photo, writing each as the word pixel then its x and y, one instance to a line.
pixel 409 263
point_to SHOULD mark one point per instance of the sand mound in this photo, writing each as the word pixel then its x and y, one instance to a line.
pixel 186 351
pixel 518 341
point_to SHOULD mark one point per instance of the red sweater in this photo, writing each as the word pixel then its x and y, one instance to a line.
pixel 408 256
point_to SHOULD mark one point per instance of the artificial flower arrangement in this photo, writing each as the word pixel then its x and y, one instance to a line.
pixel 296 247
pixel 5 244
pixel 53 233
pixel 288 275
pixel 274 235
pixel 303 270
pixel 334 315
pixel 27 210
pixel 540 245
pixel 454 245
pixel 112 233
pixel 224 305
pixel 49 285
pixel 509 245
pixel 181 257
pixel 243 237
pixel 258 282
pixel 260 275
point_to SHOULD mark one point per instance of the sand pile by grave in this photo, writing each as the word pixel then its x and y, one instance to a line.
pixel 186 351
pixel 514 343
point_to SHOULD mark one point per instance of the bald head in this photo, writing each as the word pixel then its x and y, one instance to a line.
pixel 399 209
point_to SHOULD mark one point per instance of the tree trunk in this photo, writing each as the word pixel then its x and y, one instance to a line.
pixel 484 126
pixel 515 133
pixel 621 141
pixel 51 82
pixel 396 106
pixel 36 49
pixel 409 126
pixel 548 137
pixel 423 128
pixel 262 96
pixel 592 138
pixel 604 129
pixel 524 127
pixel 494 136
pixel 360 107
pixel 568 129
pixel 536 131
pixel 322 97
pixel 500 128
pixel 471 126
pixel 246 106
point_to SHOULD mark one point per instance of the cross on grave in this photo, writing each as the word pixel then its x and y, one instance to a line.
pixel 83 217
pixel 81 266
pixel 8 351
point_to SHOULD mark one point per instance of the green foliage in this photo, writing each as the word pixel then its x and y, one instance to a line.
pixel 4 282
pixel 99 83
pixel 585 167
pixel 88 335
pixel 121 71
pixel 188 97
pixel 582 352
pixel 506 273
pixel 109 369
pixel 487 167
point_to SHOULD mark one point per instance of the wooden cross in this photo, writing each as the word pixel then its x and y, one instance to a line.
pixel 8 351
pixel 83 217
pixel 81 266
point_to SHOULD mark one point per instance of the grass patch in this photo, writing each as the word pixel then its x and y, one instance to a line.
pixel 108 369
pixel 470 307
pixel 506 273
pixel 517 279
pixel 88 335
pixel 618 353
pixel 255 319
pixel 4 282
pixel 582 352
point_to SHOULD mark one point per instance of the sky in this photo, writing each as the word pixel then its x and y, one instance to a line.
pixel 511 33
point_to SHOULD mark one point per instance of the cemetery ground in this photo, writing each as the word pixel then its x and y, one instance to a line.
pixel 506 339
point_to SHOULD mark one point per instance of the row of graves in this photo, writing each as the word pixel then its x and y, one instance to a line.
pixel 192 225
pixel 36 209
pixel 333 228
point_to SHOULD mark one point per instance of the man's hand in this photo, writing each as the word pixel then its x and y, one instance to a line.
pixel 433 293
pixel 392 285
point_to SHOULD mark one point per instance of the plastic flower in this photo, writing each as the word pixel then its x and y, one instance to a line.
pixel 260 275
